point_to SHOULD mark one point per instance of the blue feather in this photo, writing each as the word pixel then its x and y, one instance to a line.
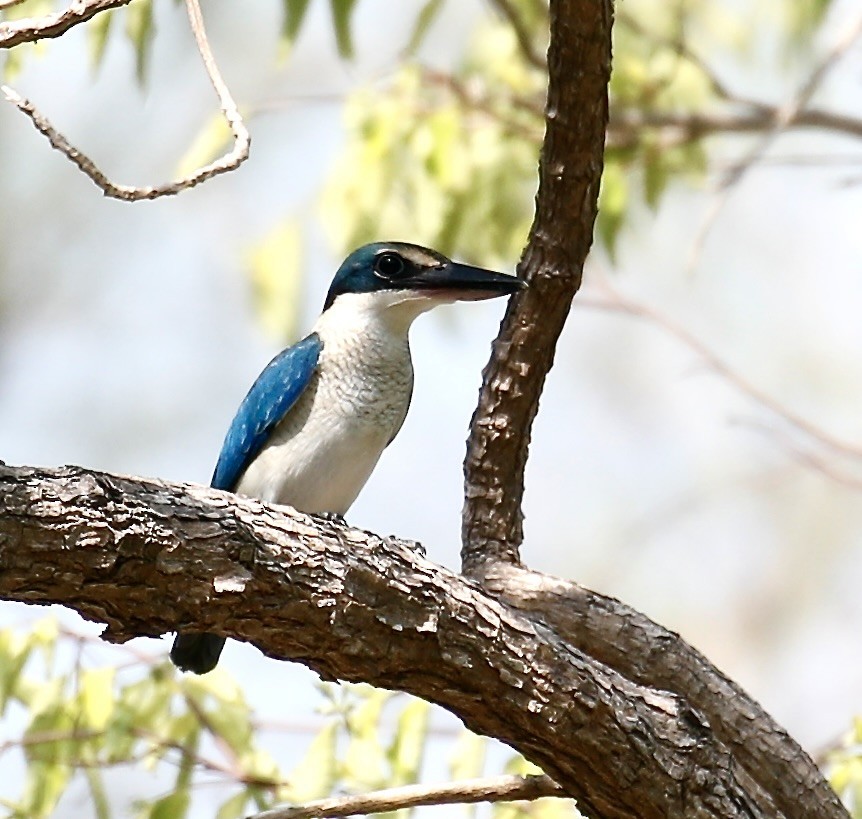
pixel 270 398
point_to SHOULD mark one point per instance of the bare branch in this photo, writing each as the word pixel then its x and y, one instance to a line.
pixel 614 300
pixel 525 41
pixel 147 557
pixel 129 193
pixel 31 29
pixel 625 124
pixel 683 50
pixel 468 792
pixel 782 119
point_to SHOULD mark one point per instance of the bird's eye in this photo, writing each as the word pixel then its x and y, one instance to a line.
pixel 389 265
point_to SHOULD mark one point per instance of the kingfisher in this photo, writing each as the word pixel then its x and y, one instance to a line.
pixel 317 419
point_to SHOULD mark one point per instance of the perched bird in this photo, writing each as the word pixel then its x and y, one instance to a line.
pixel 314 424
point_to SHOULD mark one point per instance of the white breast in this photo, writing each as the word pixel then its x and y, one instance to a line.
pixel 322 453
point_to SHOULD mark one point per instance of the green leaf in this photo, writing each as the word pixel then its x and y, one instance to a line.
pixel 342 11
pixel 520 766
pixel 14 653
pixel 96 697
pixel 656 177
pixel 276 276
pixel 97 37
pixel 173 806
pixel 427 15
pixel 44 786
pixel 145 704
pixel 365 762
pixel 405 752
pixel 467 759
pixel 315 775
pixel 101 807
pixel 613 201
pixel 140 32
pixel 234 807
pixel 294 16
pixel 805 17
pixel 218 684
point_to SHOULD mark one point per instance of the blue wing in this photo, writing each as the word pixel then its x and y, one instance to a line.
pixel 270 398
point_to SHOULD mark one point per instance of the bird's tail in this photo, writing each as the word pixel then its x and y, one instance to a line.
pixel 196 651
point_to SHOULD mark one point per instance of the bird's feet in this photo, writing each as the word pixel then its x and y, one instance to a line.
pixel 333 517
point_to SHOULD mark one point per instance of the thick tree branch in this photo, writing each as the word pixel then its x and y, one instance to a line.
pixel 570 169
pixel 31 29
pixel 148 557
pixel 637 648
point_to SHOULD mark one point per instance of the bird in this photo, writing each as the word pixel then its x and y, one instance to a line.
pixel 315 422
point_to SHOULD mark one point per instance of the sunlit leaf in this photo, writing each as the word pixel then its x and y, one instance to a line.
pixel 613 202
pixel 467 758
pixel 210 143
pixel 275 266
pixel 14 652
pixel 522 767
pixel 45 783
pixel 173 806
pixel 315 775
pixel 405 752
pixel 98 795
pixel 234 807
pixel 96 694
pixel 365 762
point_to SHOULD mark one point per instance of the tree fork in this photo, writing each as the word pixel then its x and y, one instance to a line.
pixel 147 557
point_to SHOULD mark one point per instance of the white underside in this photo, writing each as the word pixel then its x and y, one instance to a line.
pixel 323 452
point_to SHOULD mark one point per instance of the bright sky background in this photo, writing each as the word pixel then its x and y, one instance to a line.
pixel 129 338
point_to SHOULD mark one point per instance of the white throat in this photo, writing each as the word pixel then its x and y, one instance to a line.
pixel 390 311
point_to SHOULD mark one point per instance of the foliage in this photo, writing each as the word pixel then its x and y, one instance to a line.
pixel 844 768
pixel 83 721
pixel 447 158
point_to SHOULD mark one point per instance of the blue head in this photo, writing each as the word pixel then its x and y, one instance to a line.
pixel 387 267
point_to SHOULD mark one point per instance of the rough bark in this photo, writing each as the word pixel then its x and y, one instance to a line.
pixel 55 24
pixel 624 715
pixel 147 557
pixel 570 169
pixel 641 650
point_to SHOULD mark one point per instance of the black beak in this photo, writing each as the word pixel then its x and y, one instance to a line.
pixel 462 281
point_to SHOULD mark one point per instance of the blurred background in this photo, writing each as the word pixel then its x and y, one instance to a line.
pixel 698 451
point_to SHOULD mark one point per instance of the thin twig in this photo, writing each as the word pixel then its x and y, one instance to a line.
pixel 525 40
pixel 7 4
pixel 615 301
pixel 810 460
pixel 627 122
pixel 128 193
pixel 783 117
pixel 475 102
pixel 31 29
pixel 493 789
pixel 683 50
